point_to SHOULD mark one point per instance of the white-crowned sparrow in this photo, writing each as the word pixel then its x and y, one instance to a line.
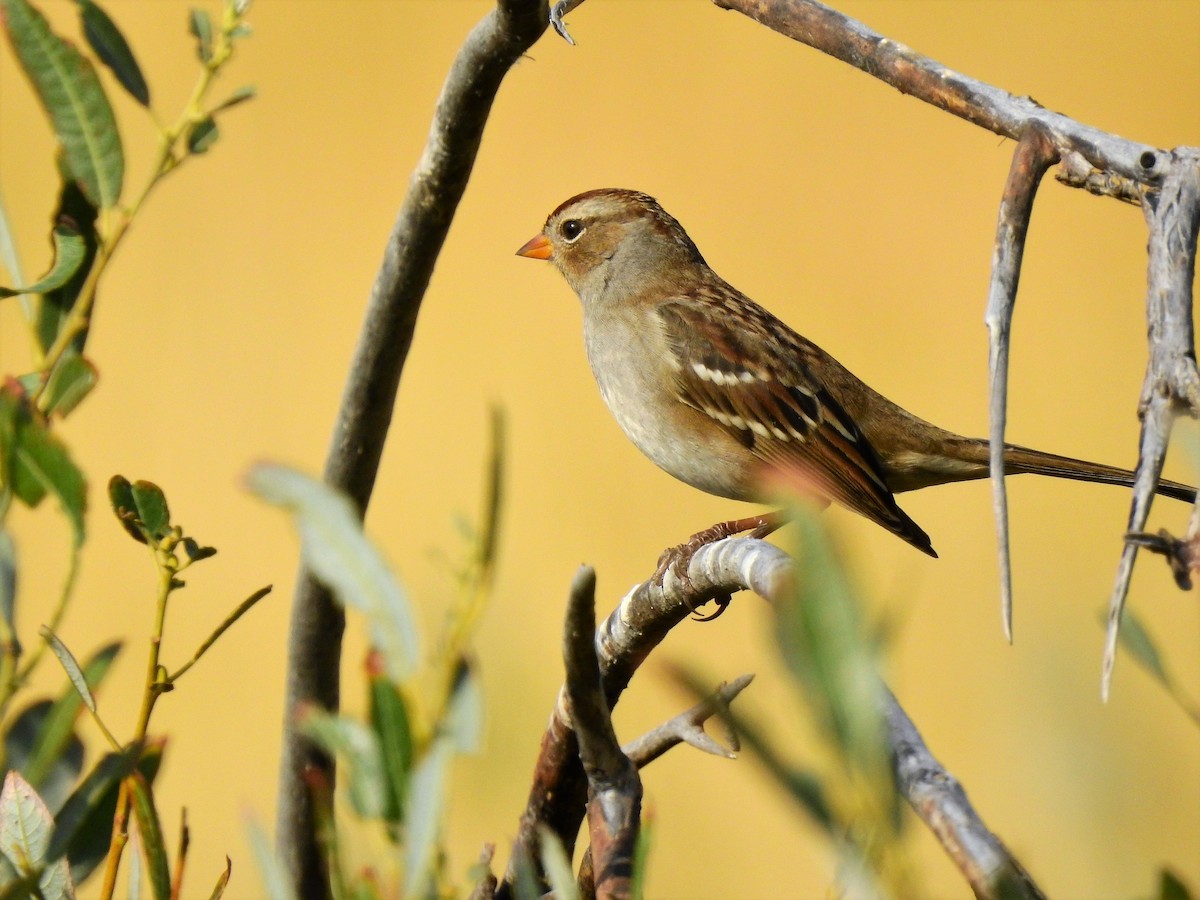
pixel 718 391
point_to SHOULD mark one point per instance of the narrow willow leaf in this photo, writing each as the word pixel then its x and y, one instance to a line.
pixel 276 884
pixel 423 822
pixel 464 714
pixel 70 381
pixel 8 584
pixel 557 865
pixel 241 95
pixel 76 212
pixel 641 856
pixel 152 509
pixel 71 666
pixel 390 719
pixel 202 135
pixel 35 462
pixel 93 832
pixel 112 48
pixel 57 729
pixel 222 881
pixel 823 641
pixel 91 795
pixel 200 27
pixel 1171 887
pixel 72 95
pixel 23 740
pixel 356 744
pixel 152 838
pixel 1136 639
pixel 340 556
pixel 69 251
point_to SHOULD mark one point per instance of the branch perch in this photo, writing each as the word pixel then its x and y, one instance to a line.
pixel 640 623
pixel 435 188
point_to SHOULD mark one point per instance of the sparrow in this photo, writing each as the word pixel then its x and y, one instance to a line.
pixel 722 394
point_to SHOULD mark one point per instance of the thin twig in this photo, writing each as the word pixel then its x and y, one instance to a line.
pixel 436 186
pixel 614 788
pixel 1033 156
pixel 688 728
pixel 1172 384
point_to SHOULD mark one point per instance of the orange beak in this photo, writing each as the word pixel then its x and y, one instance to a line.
pixel 537 247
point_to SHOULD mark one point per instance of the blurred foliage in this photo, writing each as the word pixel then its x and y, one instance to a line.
pixel 422 709
pixel 60 819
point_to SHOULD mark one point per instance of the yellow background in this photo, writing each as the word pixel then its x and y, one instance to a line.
pixel 862 217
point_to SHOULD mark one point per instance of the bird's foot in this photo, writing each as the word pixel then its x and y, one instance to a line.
pixel 678 558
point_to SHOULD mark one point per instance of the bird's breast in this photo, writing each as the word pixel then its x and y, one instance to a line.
pixel 633 369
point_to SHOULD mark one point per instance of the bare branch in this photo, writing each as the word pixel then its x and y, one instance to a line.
pixel 1033 156
pixel 941 803
pixel 641 622
pixel 1172 384
pixel 688 728
pixel 851 41
pixel 434 191
pixel 614 788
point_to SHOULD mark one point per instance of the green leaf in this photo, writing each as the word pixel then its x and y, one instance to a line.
pixel 88 803
pixel 222 881
pixel 241 95
pixel 69 252
pixel 76 212
pixel 152 509
pixel 1172 887
pixel 8 585
pixel 93 832
pixel 36 462
pixel 25 837
pixel 1136 639
pixel 390 719
pixel 71 94
pixel 120 498
pixel 823 641
pixel 71 666
pixel 24 739
pixel 357 746
pixel 464 715
pixel 202 135
pixel 57 730
pixel 276 884
pixel 340 556
pixel 112 48
pixel 23 742
pixel 423 820
pixel 152 838
pixel 70 381
pixel 194 552
pixel 557 865
pixel 200 27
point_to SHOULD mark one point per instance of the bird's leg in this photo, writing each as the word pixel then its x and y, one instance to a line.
pixel 679 557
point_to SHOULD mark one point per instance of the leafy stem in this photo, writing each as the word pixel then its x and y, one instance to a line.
pixel 115 223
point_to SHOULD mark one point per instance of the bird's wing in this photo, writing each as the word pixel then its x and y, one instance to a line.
pixel 761 390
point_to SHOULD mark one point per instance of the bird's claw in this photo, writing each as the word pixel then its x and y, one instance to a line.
pixel 677 559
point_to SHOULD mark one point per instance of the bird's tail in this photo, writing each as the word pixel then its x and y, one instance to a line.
pixel 1019 460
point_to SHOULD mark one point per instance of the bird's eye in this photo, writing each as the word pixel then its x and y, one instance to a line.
pixel 571 229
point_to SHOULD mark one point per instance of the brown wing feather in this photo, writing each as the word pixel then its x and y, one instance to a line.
pixel 774 407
